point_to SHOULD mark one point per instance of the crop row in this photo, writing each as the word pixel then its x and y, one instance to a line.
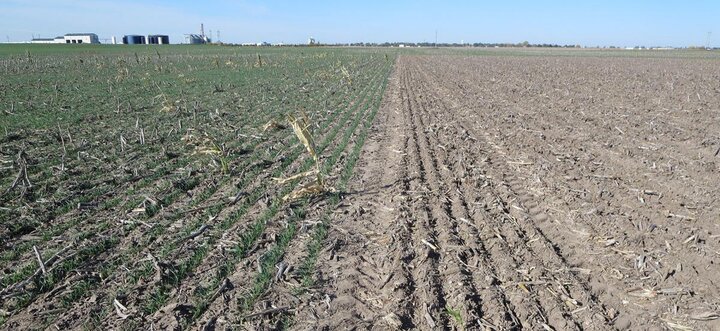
pixel 172 193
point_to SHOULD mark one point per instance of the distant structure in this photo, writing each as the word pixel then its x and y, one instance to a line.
pixel 56 40
pixel 153 39
pixel 114 40
pixel 197 39
pixel 70 38
pixel 133 39
pixel 312 41
pixel 158 39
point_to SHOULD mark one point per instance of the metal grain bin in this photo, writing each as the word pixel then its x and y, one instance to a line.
pixel 133 39
pixel 158 39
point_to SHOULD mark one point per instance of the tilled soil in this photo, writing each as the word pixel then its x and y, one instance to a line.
pixel 537 193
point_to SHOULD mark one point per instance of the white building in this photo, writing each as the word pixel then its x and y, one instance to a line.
pixel 81 38
pixel 70 38
pixel 43 41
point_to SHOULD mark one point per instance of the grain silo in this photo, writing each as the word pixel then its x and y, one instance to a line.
pixel 133 39
pixel 158 39
pixel 195 39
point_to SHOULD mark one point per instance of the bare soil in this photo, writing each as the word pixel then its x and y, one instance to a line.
pixel 534 193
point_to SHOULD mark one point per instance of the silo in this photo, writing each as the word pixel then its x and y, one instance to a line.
pixel 158 39
pixel 134 40
pixel 194 39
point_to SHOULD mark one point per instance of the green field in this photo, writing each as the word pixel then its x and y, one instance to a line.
pixel 111 154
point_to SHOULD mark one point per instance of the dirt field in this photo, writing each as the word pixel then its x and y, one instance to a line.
pixel 530 193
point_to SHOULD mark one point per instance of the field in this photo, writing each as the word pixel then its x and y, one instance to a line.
pixel 464 189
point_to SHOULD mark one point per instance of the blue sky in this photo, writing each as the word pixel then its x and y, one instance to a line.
pixel 590 23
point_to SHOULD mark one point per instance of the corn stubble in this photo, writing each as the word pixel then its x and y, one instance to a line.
pixel 300 127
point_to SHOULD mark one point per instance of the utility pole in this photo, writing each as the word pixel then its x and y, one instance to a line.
pixel 435 38
pixel 707 42
pixel 218 36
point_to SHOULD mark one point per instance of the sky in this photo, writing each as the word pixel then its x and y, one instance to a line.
pixel 587 23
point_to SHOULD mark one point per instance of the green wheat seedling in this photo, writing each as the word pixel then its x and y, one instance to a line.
pixel 456 315
pixel 164 168
pixel 255 232
pixel 209 146
pixel 248 238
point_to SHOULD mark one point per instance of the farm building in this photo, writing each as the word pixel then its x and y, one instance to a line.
pixel 81 38
pixel 70 38
pixel 46 40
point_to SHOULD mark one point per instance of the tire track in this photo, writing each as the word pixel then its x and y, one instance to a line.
pixel 536 307
pixel 449 211
pixel 429 292
pixel 524 238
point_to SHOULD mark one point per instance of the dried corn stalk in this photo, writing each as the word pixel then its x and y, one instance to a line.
pixel 272 125
pixel 300 126
pixel 206 145
pixel 306 190
pixel 281 181
pixel 346 75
